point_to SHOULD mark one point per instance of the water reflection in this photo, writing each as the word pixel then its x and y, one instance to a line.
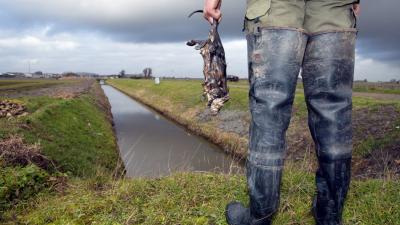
pixel 152 146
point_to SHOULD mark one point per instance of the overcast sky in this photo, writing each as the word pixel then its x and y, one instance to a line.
pixel 106 36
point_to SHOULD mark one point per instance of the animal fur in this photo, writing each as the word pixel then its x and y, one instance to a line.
pixel 215 84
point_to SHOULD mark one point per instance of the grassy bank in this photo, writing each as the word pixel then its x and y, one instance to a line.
pixel 75 134
pixel 93 196
pixel 199 199
pixel 181 101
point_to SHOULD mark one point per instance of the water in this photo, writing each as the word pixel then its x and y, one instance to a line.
pixel 152 146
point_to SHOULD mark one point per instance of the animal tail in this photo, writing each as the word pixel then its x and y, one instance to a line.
pixel 197 11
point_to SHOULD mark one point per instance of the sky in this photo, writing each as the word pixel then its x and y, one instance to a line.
pixel 106 36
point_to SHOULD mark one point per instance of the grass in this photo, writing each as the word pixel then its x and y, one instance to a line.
pixel 20 183
pixel 75 133
pixel 72 132
pixel 383 88
pixel 372 87
pixel 182 198
pixel 181 100
pixel 190 198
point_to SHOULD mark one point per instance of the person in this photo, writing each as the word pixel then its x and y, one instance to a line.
pixel 284 38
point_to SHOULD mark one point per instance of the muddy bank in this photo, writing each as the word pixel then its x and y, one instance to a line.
pixel 375 124
pixel 368 123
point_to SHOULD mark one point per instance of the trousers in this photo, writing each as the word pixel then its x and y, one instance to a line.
pixel 312 16
pixel 316 37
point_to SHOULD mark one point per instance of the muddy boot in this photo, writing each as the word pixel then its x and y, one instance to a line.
pixel 328 70
pixel 275 57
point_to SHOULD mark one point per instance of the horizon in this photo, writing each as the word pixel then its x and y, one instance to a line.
pixel 109 36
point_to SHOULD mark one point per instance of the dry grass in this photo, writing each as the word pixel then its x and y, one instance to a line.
pixel 14 152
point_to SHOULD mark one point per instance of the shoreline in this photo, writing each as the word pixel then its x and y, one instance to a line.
pixel 225 142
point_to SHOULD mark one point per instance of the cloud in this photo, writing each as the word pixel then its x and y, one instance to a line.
pixel 166 21
pixel 134 21
pixel 106 36
pixel 378 31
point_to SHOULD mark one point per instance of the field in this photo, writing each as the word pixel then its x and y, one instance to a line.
pixel 74 130
pixel 11 85
pixel 376 122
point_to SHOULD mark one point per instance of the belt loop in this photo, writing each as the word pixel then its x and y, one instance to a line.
pixel 257 27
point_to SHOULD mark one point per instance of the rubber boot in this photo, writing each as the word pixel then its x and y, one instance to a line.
pixel 275 58
pixel 328 71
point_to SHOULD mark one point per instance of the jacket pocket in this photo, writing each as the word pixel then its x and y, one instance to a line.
pixel 257 8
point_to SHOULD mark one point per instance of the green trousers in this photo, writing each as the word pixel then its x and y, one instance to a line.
pixel 312 16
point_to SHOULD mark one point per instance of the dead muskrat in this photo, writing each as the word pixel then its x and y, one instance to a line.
pixel 215 86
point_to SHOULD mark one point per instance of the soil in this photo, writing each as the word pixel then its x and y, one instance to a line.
pixel 66 91
pixel 374 122
pixel 381 163
pixel 233 121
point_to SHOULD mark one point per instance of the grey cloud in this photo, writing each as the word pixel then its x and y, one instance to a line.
pixel 379 32
pixel 161 21
pixel 164 21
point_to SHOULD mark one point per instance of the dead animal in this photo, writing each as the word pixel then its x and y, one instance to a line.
pixel 215 86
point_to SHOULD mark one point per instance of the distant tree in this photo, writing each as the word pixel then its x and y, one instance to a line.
pixel 122 73
pixel 393 81
pixel 38 73
pixel 365 80
pixel 70 74
pixel 147 72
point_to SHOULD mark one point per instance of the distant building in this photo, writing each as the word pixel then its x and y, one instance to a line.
pixel 232 78
pixel 12 75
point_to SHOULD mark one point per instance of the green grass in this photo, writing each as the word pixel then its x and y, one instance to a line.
pixel 200 199
pixel 75 133
pixel 20 183
pixel 175 97
pixel 183 198
pixel 383 88
pixel 187 93
pixel 72 132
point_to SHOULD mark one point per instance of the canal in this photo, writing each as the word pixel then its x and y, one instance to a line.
pixel 153 146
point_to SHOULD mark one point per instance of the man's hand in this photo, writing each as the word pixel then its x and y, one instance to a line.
pixel 212 10
pixel 356 8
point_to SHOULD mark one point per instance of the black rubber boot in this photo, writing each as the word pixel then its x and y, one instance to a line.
pixel 328 71
pixel 275 58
